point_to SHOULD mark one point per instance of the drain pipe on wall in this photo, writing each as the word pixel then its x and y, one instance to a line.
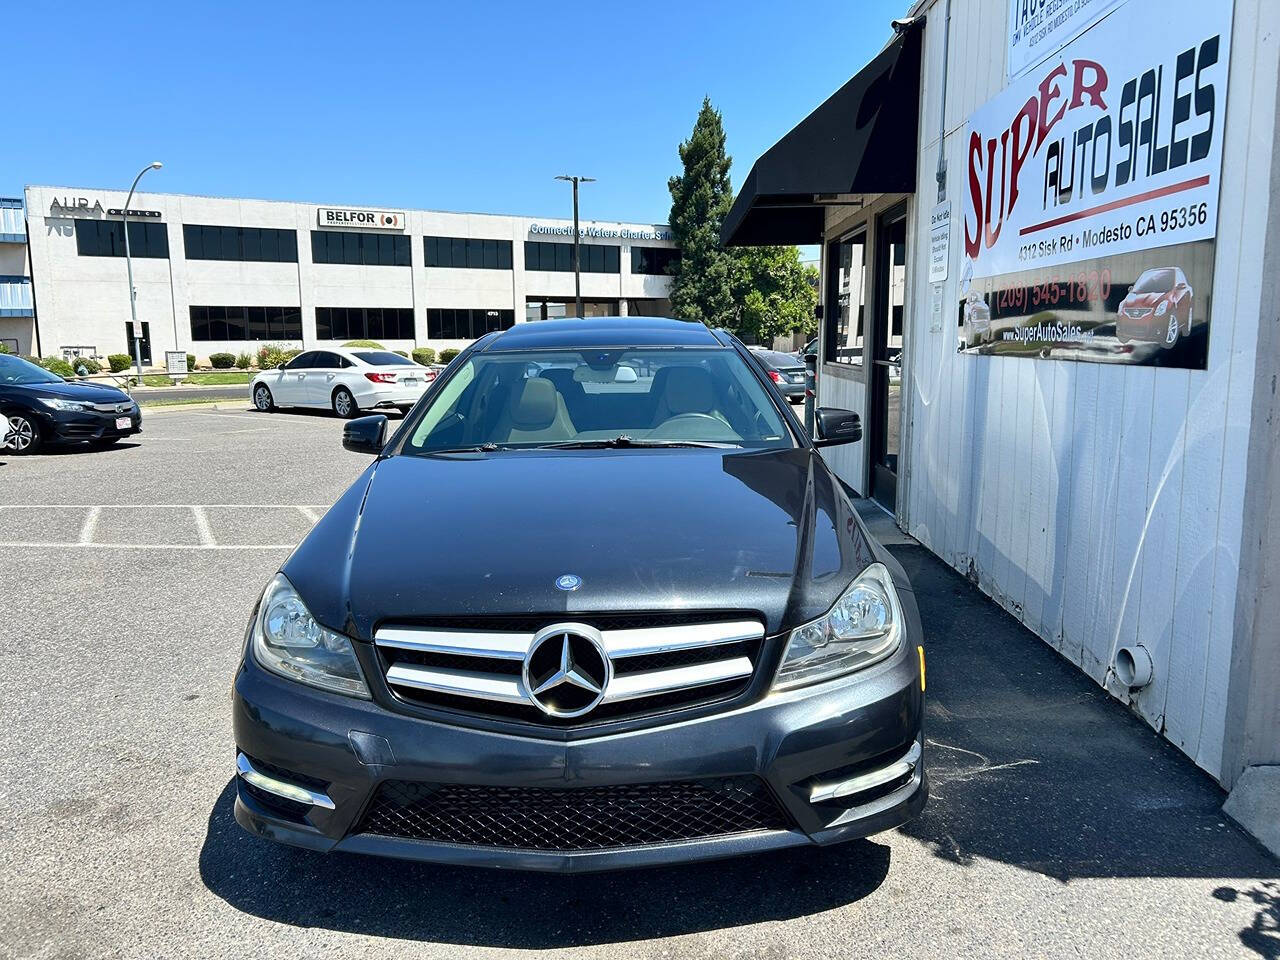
pixel 941 175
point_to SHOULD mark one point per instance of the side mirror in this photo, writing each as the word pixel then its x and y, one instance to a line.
pixel 365 434
pixel 282 364
pixel 836 426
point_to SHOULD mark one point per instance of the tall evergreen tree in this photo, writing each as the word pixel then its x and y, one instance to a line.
pixel 702 288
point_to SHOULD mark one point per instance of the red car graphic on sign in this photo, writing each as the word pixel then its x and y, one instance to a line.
pixel 1157 308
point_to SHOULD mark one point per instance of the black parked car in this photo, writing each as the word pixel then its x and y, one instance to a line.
pixel 786 372
pixel 647 625
pixel 44 408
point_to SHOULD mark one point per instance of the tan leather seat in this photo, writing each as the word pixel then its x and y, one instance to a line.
pixel 683 390
pixel 535 413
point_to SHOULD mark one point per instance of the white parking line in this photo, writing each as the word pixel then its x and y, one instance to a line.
pixel 162 506
pixel 202 527
pixel 90 525
pixel 309 514
pixel 21 544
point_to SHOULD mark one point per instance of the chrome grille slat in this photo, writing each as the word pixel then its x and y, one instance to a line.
pixel 653 667
pixel 630 686
pixel 458 683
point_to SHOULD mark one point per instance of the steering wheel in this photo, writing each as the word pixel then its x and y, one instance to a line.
pixel 692 426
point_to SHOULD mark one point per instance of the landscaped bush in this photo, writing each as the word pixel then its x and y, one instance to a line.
pixel 272 355
pixel 4 348
pixel 57 366
pixel 222 361
pixel 401 353
pixel 191 362
pixel 371 344
pixel 448 354
pixel 119 362
pixel 90 365
pixel 424 356
pixel 244 361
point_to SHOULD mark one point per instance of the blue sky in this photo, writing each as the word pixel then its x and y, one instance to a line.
pixel 460 106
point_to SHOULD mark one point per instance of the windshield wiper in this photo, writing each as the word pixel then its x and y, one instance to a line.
pixel 625 441
pixel 486 447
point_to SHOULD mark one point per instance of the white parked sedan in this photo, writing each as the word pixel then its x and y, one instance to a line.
pixel 346 381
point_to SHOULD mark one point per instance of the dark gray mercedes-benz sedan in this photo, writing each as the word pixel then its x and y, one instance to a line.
pixel 598 602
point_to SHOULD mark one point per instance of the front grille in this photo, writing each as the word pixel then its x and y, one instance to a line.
pixel 658 663
pixel 586 818
pixel 1137 313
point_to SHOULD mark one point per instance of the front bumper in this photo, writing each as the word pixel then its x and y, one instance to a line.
pixel 802 744
pixel 66 426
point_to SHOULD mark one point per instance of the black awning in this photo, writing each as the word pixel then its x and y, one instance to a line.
pixel 863 139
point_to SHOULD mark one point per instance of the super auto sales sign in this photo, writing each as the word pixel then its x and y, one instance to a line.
pixel 1094 176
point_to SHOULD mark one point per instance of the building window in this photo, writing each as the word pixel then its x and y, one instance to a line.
pixel 256 244
pixel 468 252
pixel 246 323
pixel 558 257
pixel 661 261
pixel 846 311
pixel 449 324
pixel 542 308
pixel 361 249
pixel 105 238
pixel 364 323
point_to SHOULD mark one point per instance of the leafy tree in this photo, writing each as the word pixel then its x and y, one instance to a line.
pixel 700 198
pixel 773 293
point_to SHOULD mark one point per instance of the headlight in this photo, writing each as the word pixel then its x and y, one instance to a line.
pixel 287 640
pixel 863 627
pixel 59 404
pixel 1163 308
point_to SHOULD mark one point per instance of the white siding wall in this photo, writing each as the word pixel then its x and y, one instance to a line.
pixel 1099 504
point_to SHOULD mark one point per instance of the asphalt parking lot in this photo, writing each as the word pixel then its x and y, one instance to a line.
pixel 1059 826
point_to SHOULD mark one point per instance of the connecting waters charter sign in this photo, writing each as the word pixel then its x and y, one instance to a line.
pixel 1091 195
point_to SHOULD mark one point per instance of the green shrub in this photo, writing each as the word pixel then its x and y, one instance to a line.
pixel 271 355
pixel 448 354
pixel 222 361
pixel 372 344
pixel 424 356
pixel 191 362
pixel 400 353
pixel 244 361
pixel 119 362
pixel 57 366
pixel 4 348
pixel 90 365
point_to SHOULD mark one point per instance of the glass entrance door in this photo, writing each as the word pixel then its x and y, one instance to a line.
pixel 884 414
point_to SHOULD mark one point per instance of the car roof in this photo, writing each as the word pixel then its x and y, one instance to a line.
pixel 575 332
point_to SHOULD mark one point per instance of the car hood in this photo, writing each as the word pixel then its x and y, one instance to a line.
pixel 85 392
pixel 467 535
pixel 1143 299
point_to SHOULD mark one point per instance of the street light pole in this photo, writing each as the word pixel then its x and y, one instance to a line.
pixel 577 246
pixel 128 266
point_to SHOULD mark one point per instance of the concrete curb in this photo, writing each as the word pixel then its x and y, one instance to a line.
pixel 1254 803
pixel 149 409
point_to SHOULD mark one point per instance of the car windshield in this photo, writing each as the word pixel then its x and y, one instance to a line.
pixel 599 397
pixel 17 370
pixel 382 358
pixel 1154 281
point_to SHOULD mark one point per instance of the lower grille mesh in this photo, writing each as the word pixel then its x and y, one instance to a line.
pixel 587 818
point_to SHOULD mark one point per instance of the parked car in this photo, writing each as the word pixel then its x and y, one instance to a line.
pixel 810 348
pixel 520 641
pixel 977 320
pixel 786 372
pixel 40 407
pixel 1157 309
pixel 345 381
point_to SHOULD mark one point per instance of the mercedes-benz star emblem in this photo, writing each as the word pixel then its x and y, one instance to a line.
pixel 568 581
pixel 566 670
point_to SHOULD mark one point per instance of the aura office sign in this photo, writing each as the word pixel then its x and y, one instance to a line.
pixel 360 219
pixel 1091 195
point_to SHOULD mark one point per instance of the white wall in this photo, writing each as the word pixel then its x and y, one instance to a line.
pixel 1099 504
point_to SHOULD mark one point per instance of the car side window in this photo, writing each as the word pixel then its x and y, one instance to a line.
pixel 327 361
pixel 303 361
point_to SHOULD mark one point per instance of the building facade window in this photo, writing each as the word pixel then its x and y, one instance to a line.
pixel 360 249
pixel 467 252
pixel 105 238
pixel 544 308
pixel 462 324
pixel 246 323
pixel 364 323
pixel 558 257
pixel 659 261
pixel 255 244
pixel 847 300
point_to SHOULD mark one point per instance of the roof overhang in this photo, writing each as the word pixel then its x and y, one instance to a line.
pixel 862 139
